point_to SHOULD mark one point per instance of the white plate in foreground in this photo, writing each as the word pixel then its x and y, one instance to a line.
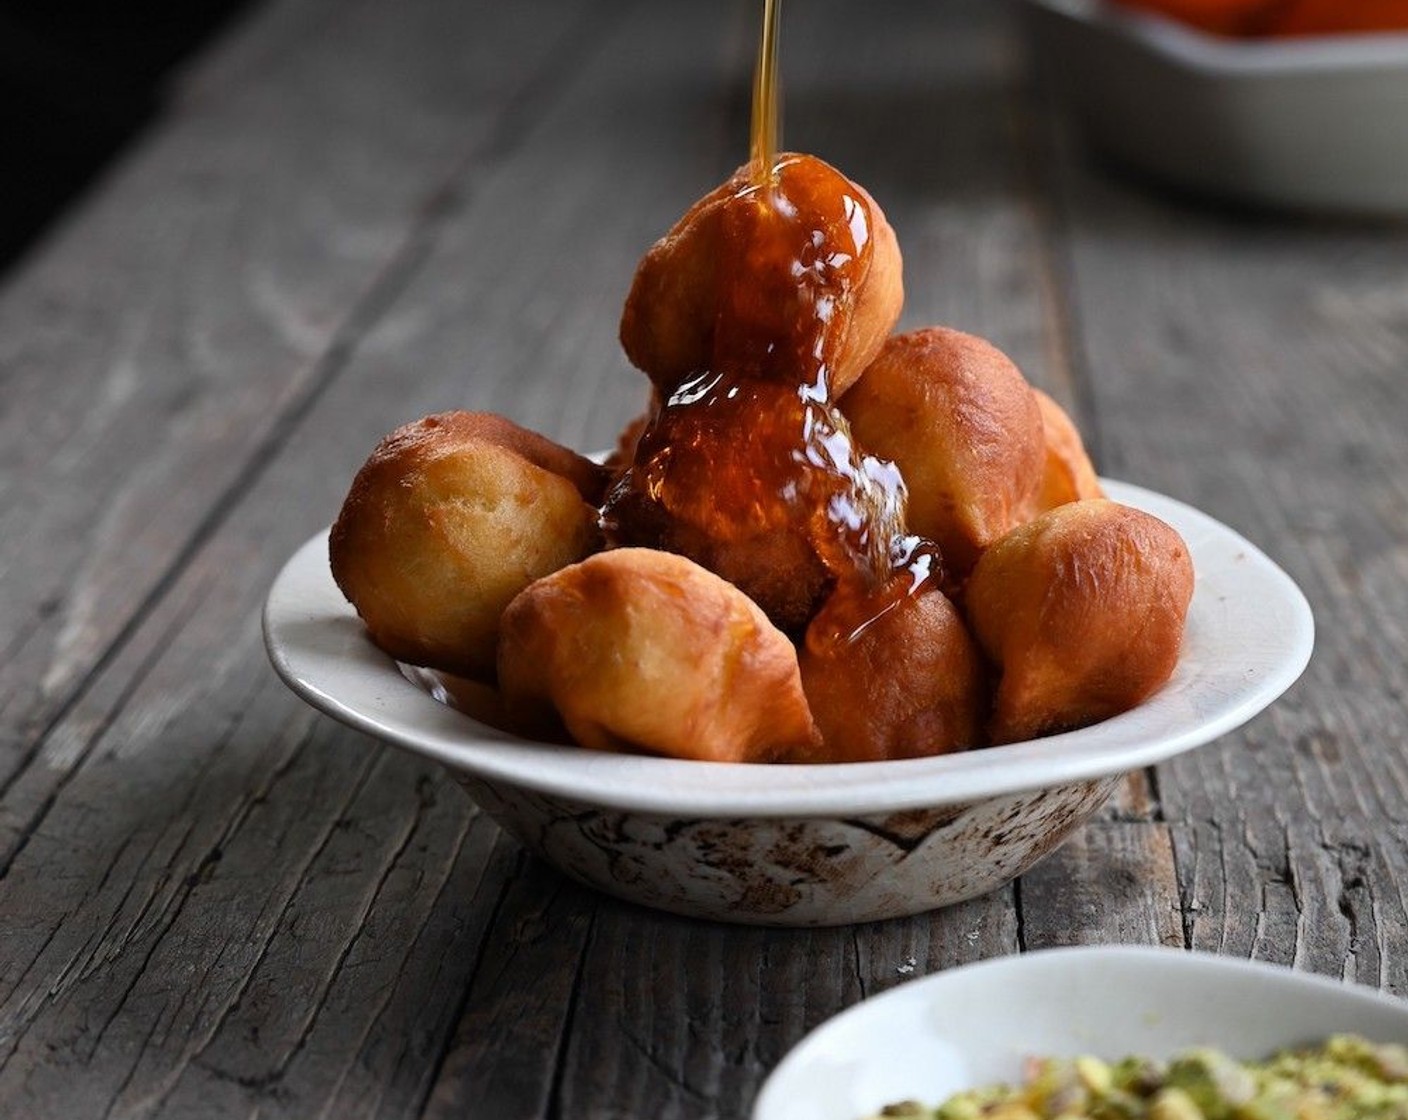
pixel 974 1025
pixel 1249 635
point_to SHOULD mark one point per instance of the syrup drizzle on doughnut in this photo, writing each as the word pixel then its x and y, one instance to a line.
pixel 753 444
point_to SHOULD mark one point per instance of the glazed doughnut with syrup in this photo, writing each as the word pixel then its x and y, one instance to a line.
pixel 769 295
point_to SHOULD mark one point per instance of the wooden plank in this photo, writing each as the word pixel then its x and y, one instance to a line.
pixel 225 440
pixel 682 1019
pixel 503 1058
pixel 1252 365
pixel 249 45
pixel 185 783
pixel 1298 893
pixel 157 344
pixel 277 1022
pixel 259 911
pixel 1111 883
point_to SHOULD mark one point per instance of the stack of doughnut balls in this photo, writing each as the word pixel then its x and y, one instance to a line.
pixel 823 542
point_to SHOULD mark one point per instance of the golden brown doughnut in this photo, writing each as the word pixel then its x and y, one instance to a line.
pixel 1068 475
pixel 904 683
pixel 646 651
pixel 450 518
pixel 1083 610
pixel 733 286
pixel 963 426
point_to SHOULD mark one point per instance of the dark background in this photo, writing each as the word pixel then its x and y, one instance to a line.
pixel 78 81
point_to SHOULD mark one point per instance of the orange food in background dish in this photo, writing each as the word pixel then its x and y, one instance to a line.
pixel 1280 18
pixel 1220 17
pixel 1328 17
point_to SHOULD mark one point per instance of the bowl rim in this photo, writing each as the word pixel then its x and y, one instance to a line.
pixel 1200 50
pixel 1196 969
pixel 1250 635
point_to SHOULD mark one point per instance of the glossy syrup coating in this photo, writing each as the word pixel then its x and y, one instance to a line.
pixel 794 276
pixel 894 673
pixel 762 485
pixel 624 453
pixel 965 429
pixel 768 297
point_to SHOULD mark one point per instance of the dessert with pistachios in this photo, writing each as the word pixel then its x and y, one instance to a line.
pixel 1344 1078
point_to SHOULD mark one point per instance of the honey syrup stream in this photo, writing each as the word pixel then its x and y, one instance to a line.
pixel 748 466
pixel 765 139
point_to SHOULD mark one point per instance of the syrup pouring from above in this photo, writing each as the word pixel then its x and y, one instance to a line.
pixel 752 317
pixel 867 534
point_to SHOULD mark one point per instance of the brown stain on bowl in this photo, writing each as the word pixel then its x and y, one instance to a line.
pixel 799 871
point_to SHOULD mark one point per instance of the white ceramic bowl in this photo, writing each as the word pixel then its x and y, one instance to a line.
pixel 1308 123
pixel 973 1026
pixel 811 845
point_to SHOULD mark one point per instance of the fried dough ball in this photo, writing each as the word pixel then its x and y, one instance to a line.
pixel 1083 611
pixel 450 518
pixel 963 426
pixel 1069 475
pixel 646 651
pixel 895 676
pixel 757 280
pixel 763 487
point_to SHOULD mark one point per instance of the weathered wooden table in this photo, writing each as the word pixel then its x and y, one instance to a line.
pixel 216 903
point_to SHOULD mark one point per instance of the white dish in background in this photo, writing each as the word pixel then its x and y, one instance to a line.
pixel 812 845
pixel 1303 123
pixel 971 1026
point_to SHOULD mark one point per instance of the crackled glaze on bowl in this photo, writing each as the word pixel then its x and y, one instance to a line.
pixel 809 872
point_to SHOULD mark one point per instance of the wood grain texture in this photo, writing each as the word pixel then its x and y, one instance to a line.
pixel 155 348
pixel 258 910
pixel 1252 365
pixel 219 904
pixel 1113 883
pixel 306 839
pixel 674 1019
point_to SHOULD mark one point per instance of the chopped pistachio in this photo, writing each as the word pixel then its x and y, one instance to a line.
pixel 1346 1078
pixel 1095 1075
pixel 904 1110
pixel 1174 1104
